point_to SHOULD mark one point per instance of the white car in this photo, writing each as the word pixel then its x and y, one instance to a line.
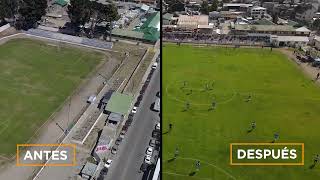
pixel 108 163
pixel 154 66
pixel 157 126
pixel 149 150
pixel 147 159
pixel 134 110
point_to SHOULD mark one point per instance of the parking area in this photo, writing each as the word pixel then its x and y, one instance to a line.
pixel 137 148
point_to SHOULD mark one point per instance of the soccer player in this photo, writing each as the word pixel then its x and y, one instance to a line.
pixel 184 85
pixel 249 98
pixel 170 127
pixel 197 165
pixel 176 153
pixel 187 105
pixel 253 125
pixel 276 137
pixel 213 105
pixel 316 159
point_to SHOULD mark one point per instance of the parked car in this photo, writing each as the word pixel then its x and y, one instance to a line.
pixel 122 133
pixel 152 143
pixel 149 150
pixel 114 149
pixel 156 134
pixel 134 109
pixel 154 65
pixel 157 127
pixel 158 94
pixel 118 141
pixel 147 159
pixel 108 163
pixel 128 122
pixel 144 167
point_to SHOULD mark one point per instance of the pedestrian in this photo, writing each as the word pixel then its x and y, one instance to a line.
pixel 318 76
pixel 170 126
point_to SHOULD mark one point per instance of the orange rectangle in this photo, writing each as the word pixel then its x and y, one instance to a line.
pixel 73 146
pixel 267 164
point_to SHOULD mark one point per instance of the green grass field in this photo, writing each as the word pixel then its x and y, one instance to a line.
pixel 35 79
pixel 284 100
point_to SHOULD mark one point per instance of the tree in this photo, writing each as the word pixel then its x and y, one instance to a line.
pixel 214 5
pixel 79 12
pixel 103 13
pixel 175 5
pixel 31 11
pixel 316 25
pixel 110 14
pixel 8 8
pixel 204 7
pixel 275 18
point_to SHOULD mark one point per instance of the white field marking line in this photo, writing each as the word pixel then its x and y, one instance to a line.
pixel 177 174
pixel 210 164
pixel 3 122
pixel 36 176
pixel 199 104
pixel 4 157
pixel 84 139
pixel 4 128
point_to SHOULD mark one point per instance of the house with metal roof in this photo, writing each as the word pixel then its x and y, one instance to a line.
pixel 88 170
pixel 148 32
pixel 104 143
pixel 119 103
pixel 280 30
pixel 115 118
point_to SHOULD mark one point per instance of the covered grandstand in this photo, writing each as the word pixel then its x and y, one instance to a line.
pixel 148 32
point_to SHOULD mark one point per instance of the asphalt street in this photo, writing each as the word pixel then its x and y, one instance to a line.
pixel 126 163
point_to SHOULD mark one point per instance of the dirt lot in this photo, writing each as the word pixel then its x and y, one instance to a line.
pixel 305 67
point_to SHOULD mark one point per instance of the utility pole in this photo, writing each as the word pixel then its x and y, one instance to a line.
pixel 64 131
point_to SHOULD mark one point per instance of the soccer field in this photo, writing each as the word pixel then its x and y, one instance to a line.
pixel 35 79
pixel 283 100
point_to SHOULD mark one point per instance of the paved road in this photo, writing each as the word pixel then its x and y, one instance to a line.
pixel 126 164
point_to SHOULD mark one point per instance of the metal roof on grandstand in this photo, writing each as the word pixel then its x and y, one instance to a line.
pixel 149 31
pixel 61 2
pixel 264 27
pixel 70 39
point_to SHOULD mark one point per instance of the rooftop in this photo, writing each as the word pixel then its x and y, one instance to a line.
pixel 89 169
pixel 258 8
pixel 192 21
pixel 303 29
pixel 119 103
pixel 292 38
pixel 246 27
pixel 115 117
pixel 237 4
